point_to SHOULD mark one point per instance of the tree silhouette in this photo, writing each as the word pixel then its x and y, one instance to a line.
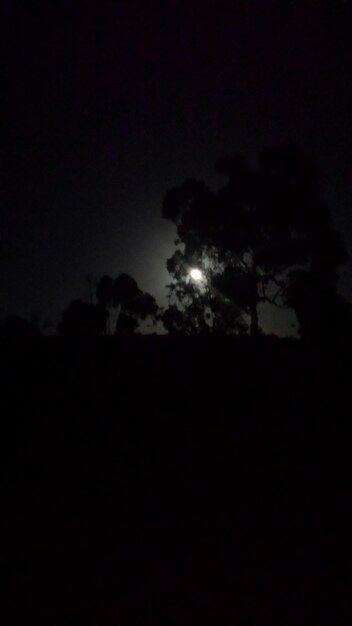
pixel 176 321
pixel 82 320
pixel 104 291
pixel 125 290
pixel 320 310
pixel 104 295
pixel 133 305
pixel 250 235
pixel 16 326
pixel 198 306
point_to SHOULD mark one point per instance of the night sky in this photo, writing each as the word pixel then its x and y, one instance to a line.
pixel 109 104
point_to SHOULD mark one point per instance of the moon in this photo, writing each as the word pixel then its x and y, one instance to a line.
pixel 196 274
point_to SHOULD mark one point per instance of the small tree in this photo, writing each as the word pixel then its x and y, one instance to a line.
pixel 133 305
pixel 16 327
pixel 104 295
pixel 82 320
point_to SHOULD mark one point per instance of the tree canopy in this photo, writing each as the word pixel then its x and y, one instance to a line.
pixel 81 319
pixel 249 238
pixel 133 305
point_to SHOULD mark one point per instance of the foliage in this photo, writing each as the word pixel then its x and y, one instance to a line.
pixel 132 303
pixel 249 236
pixel 82 320
pixel 18 327
pixel 104 291
pixel 320 310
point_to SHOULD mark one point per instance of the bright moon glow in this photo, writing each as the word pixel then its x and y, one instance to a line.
pixel 196 274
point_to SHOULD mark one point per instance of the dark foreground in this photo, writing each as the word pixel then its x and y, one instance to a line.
pixel 162 481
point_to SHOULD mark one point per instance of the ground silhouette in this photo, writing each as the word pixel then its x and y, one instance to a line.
pixel 181 479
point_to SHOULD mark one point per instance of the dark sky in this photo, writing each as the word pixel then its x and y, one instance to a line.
pixel 108 104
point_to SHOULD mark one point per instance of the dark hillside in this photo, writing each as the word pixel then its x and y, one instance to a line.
pixel 175 479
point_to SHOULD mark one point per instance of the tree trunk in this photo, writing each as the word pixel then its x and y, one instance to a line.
pixel 254 328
